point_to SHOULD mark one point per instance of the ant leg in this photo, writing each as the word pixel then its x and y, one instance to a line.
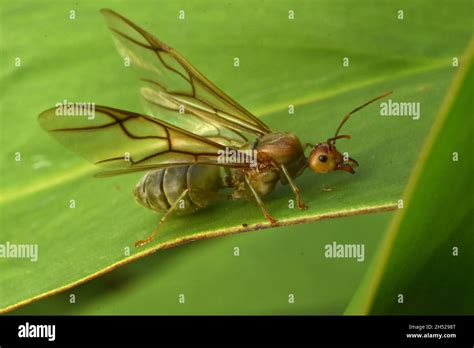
pixel 140 243
pixel 295 189
pixel 306 145
pixel 260 202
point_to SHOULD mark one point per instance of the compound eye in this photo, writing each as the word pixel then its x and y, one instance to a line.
pixel 323 158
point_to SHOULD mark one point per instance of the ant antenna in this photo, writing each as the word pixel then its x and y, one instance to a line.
pixel 346 117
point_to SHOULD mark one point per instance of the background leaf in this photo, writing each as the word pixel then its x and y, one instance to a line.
pixel 272 265
pixel 283 62
pixel 427 254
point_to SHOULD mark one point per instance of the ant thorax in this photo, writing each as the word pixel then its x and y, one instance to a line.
pixel 277 149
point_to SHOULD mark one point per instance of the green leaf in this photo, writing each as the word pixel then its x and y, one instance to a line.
pixel 270 265
pixel 427 255
pixel 283 62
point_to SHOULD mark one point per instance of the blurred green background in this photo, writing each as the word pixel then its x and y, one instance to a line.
pixel 282 62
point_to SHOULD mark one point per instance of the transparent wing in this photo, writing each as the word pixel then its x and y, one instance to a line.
pixel 123 141
pixel 172 84
pixel 175 114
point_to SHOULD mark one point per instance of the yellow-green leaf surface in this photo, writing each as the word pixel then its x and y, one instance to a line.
pixel 424 265
pixel 282 62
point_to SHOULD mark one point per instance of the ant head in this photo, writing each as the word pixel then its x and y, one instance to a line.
pixel 325 158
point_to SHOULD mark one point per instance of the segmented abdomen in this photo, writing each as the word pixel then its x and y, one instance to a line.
pixel 161 188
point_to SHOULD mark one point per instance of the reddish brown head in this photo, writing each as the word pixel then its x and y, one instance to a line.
pixel 325 158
